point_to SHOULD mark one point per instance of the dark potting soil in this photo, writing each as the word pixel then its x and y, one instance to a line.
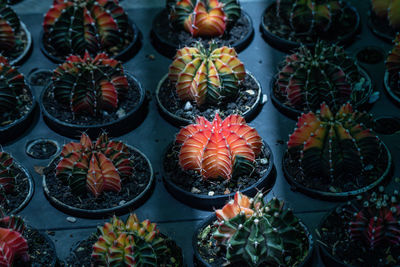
pixel 193 182
pixel 19 194
pixel 20 45
pixel 246 99
pixel 394 85
pixel 23 107
pixel 370 55
pixel 42 149
pixel 64 114
pixel 382 25
pixel 130 188
pixel 40 77
pixel 336 240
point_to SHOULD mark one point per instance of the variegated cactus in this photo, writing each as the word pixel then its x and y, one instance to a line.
pixel 9 27
pixel 332 146
pixel 393 65
pixel 95 167
pixel 204 17
pixel 7 176
pixel 206 75
pixel 388 9
pixel 88 85
pixel 76 26
pixel 219 149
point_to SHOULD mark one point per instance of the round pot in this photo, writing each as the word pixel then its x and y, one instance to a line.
pixel 395 98
pixel 200 261
pixel 181 121
pixel 18 60
pixel 29 148
pixel 54 259
pixel 124 55
pixel 380 55
pixel 43 74
pixel 107 212
pixel 387 125
pixel 115 128
pixel 288 46
pixel 168 48
pixel 295 113
pixel 387 33
pixel 206 202
pixel 341 196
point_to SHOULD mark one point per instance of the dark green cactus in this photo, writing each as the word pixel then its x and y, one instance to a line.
pixel 7 176
pixel 9 26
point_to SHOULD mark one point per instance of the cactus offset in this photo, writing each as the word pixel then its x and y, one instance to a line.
pixel 393 65
pixel 89 85
pixel 7 176
pixel 220 149
pixel 208 18
pixel 206 75
pixel 9 26
pixel 388 9
pixel 95 167
pixel 333 146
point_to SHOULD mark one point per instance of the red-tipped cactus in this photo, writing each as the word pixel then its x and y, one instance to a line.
pixel 206 75
pixel 95 167
pixel 219 149
pixel 89 85
pixel 393 65
pixel 9 27
pixel 204 17
pixel 7 175
pixel 388 9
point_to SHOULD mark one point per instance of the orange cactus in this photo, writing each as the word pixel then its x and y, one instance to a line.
pixel 389 9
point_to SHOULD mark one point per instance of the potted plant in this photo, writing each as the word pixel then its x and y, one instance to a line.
pixel 17 102
pixel 73 27
pixel 92 94
pixel 97 179
pixel 130 243
pixel 324 73
pixel 288 23
pixel 362 232
pixel 185 22
pixel 202 80
pixel 392 75
pixel 335 155
pixel 210 160
pixel 384 19
pixel 252 232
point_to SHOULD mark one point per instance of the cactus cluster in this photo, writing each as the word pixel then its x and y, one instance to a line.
pixel 96 167
pixel 76 26
pixel 333 146
pixel 9 27
pixel 208 18
pixel 388 10
pixel 321 74
pixel 393 65
pixel 88 85
pixel 206 75
pixel 7 176
pixel 219 149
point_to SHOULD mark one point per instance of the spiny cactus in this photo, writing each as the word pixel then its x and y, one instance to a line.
pixel 260 233
pixel 388 9
pixel 219 149
pixel 97 167
pixel 133 243
pixel 393 65
pixel 322 74
pixel 204 17
pixel 76 26
pixel 7 175
pixel 206 75
pixel 89 85
pixel 9 27
pixel 333 146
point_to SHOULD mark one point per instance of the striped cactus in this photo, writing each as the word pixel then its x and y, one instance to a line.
pixel 9 26
pixel 388 9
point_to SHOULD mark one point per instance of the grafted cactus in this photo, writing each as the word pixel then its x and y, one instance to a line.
pixel 220 149
pixel 393 65
pixel 322 74
pixel 95 167
pixel 206 75
pixel 333 146
pixel 89 85
pixel 76 26
pixel 204 17
pixel 388 9
pixel 7 176
pixel 9 27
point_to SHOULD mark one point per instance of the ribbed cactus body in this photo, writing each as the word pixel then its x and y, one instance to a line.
pixel 9 27
pixel 393 65
pixel 7 175
pixel 388 9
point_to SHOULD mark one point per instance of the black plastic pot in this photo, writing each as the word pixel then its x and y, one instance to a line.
pixel 24 55
pixel 30 190
pixel 288 46
pixel 206 202
pixel 387 125
pixel 199 261
pixel 124 55
pixel 373 49
pixel 395 98
pixel 103 213
pixel 180 121
pixel 341 196
pixel 45 79
pixel 387 36
pixel 167 48
pixel 115 128
pixel 29 146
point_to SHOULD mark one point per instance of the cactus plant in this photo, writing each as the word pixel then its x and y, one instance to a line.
pixel 95 167
pixel 89 85
pixel 76 26
pixel 7 176
pixel 220 149
pixel 388 10
pixel 9 27
pixel 208 18
pixel 206 75
pixel 333 146
pixel 393 65
pixel 322 74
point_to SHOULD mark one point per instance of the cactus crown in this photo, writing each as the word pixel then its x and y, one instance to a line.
pixel 89 85
pixel 219 149
pixel 206 75
pixel 388 9
pixel 204 17
pixel 76 26
pixel 325 74
pixel 133 243
pixel 393 65
pixel 9 26
pixel 97 167
pixel 7 176
pixel 333 146
pixel 260 233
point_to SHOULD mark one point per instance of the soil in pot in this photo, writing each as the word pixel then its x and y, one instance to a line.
pixel 394 85
pixel 41 148
pixel 40 77
pixel 370 55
